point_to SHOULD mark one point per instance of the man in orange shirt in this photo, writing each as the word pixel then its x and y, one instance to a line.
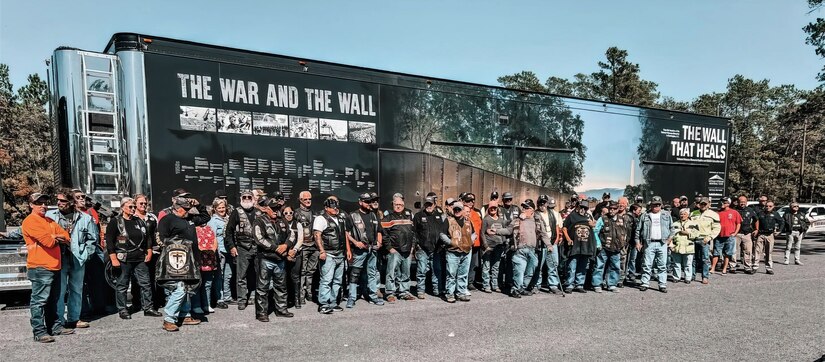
pixel 474 215
pixel 43 236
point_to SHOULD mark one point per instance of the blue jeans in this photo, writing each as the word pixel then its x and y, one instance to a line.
pixel 428 262
pixel 702 258
pixel 577 270
pixel 398 274
pixel 655 263
pixel 458 270
pixel 332 273
pixel 683 262
pixel 632 255
pixel 43 304
pixel 202 299
pixel 724 245
pixel 551 259
pixel 224 279
pixel 363 259
pixel 613 261
pixel 524 264
pixel 71 286
pixel 177 303
pixel 490 266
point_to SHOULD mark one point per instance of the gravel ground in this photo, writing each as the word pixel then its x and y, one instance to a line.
pixel 735 317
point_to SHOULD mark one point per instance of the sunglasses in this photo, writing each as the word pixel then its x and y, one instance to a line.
pixel 80 197
pixel 39 203
pixel 288 212
pixel 143 203
pixel 131 207
pixel 62 200
pixel 246 197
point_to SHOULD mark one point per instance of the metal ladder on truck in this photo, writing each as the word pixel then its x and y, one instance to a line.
pixel 101 133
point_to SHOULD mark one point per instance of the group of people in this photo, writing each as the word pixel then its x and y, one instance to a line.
pixel 190 258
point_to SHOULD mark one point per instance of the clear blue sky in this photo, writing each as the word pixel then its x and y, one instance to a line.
pixel 688 47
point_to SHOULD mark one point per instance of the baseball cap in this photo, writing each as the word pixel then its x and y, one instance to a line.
pixel 246 193
pixel 656 200
pixel 221 194
pixel 494 195
pixel 365 197
pixel 468 197
pixel 612 205
pixel 181 193
pixel 38 196
pixel 458 205
pixel 507 196
pixel 374 196
pixel 429 200
pixel 704 200
pixel 584 203
pixel 528 204
pixel 449 201
pixel 331 203
pixel 182 202
pixel 639 199
pixel 542 199
pixel 726 200
pixel 278 195
pixel 432 194
pixel 551 202
pixel 683 198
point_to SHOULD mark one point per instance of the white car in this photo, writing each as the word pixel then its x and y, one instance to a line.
pixel 815 213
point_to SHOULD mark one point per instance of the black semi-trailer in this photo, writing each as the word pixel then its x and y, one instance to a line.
pixel 150 114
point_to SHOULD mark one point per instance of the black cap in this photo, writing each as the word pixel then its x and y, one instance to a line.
pixel 528 204
pixel 263 201
pixel 365 197
pixel 606 195
pixel 656 200
pixel 278 196
pixel 584 203
pixel 331 202
pixel 432 194
pixel 374 196
pixel 639 199
pixel 181 193
pixel 429 200
pixel 183 202
pixel 507 196
pixel 683 198
pixel 494 195
pixel 221 194
pixel 612 205
pixel 543 199
pixel 468 197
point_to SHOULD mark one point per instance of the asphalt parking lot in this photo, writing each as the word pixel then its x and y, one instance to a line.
pixel 735 317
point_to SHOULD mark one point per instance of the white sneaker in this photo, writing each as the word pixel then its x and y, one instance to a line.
pixel 798 263
pixel 785 262
pixel 211 310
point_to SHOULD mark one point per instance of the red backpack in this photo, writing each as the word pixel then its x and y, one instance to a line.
pixel 207 244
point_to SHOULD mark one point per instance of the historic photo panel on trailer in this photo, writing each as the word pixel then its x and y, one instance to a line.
pixel 230 121
pixel 333 130
pixel 303 127
pixel 268 124
pixel 362 132
pixel 197 119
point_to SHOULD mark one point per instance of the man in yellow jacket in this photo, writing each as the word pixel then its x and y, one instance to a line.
pixel 709 228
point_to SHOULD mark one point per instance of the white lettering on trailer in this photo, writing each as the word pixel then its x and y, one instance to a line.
pixel 198 86
pixel 352 103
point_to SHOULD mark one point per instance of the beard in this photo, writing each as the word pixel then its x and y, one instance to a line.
pixel 247 204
